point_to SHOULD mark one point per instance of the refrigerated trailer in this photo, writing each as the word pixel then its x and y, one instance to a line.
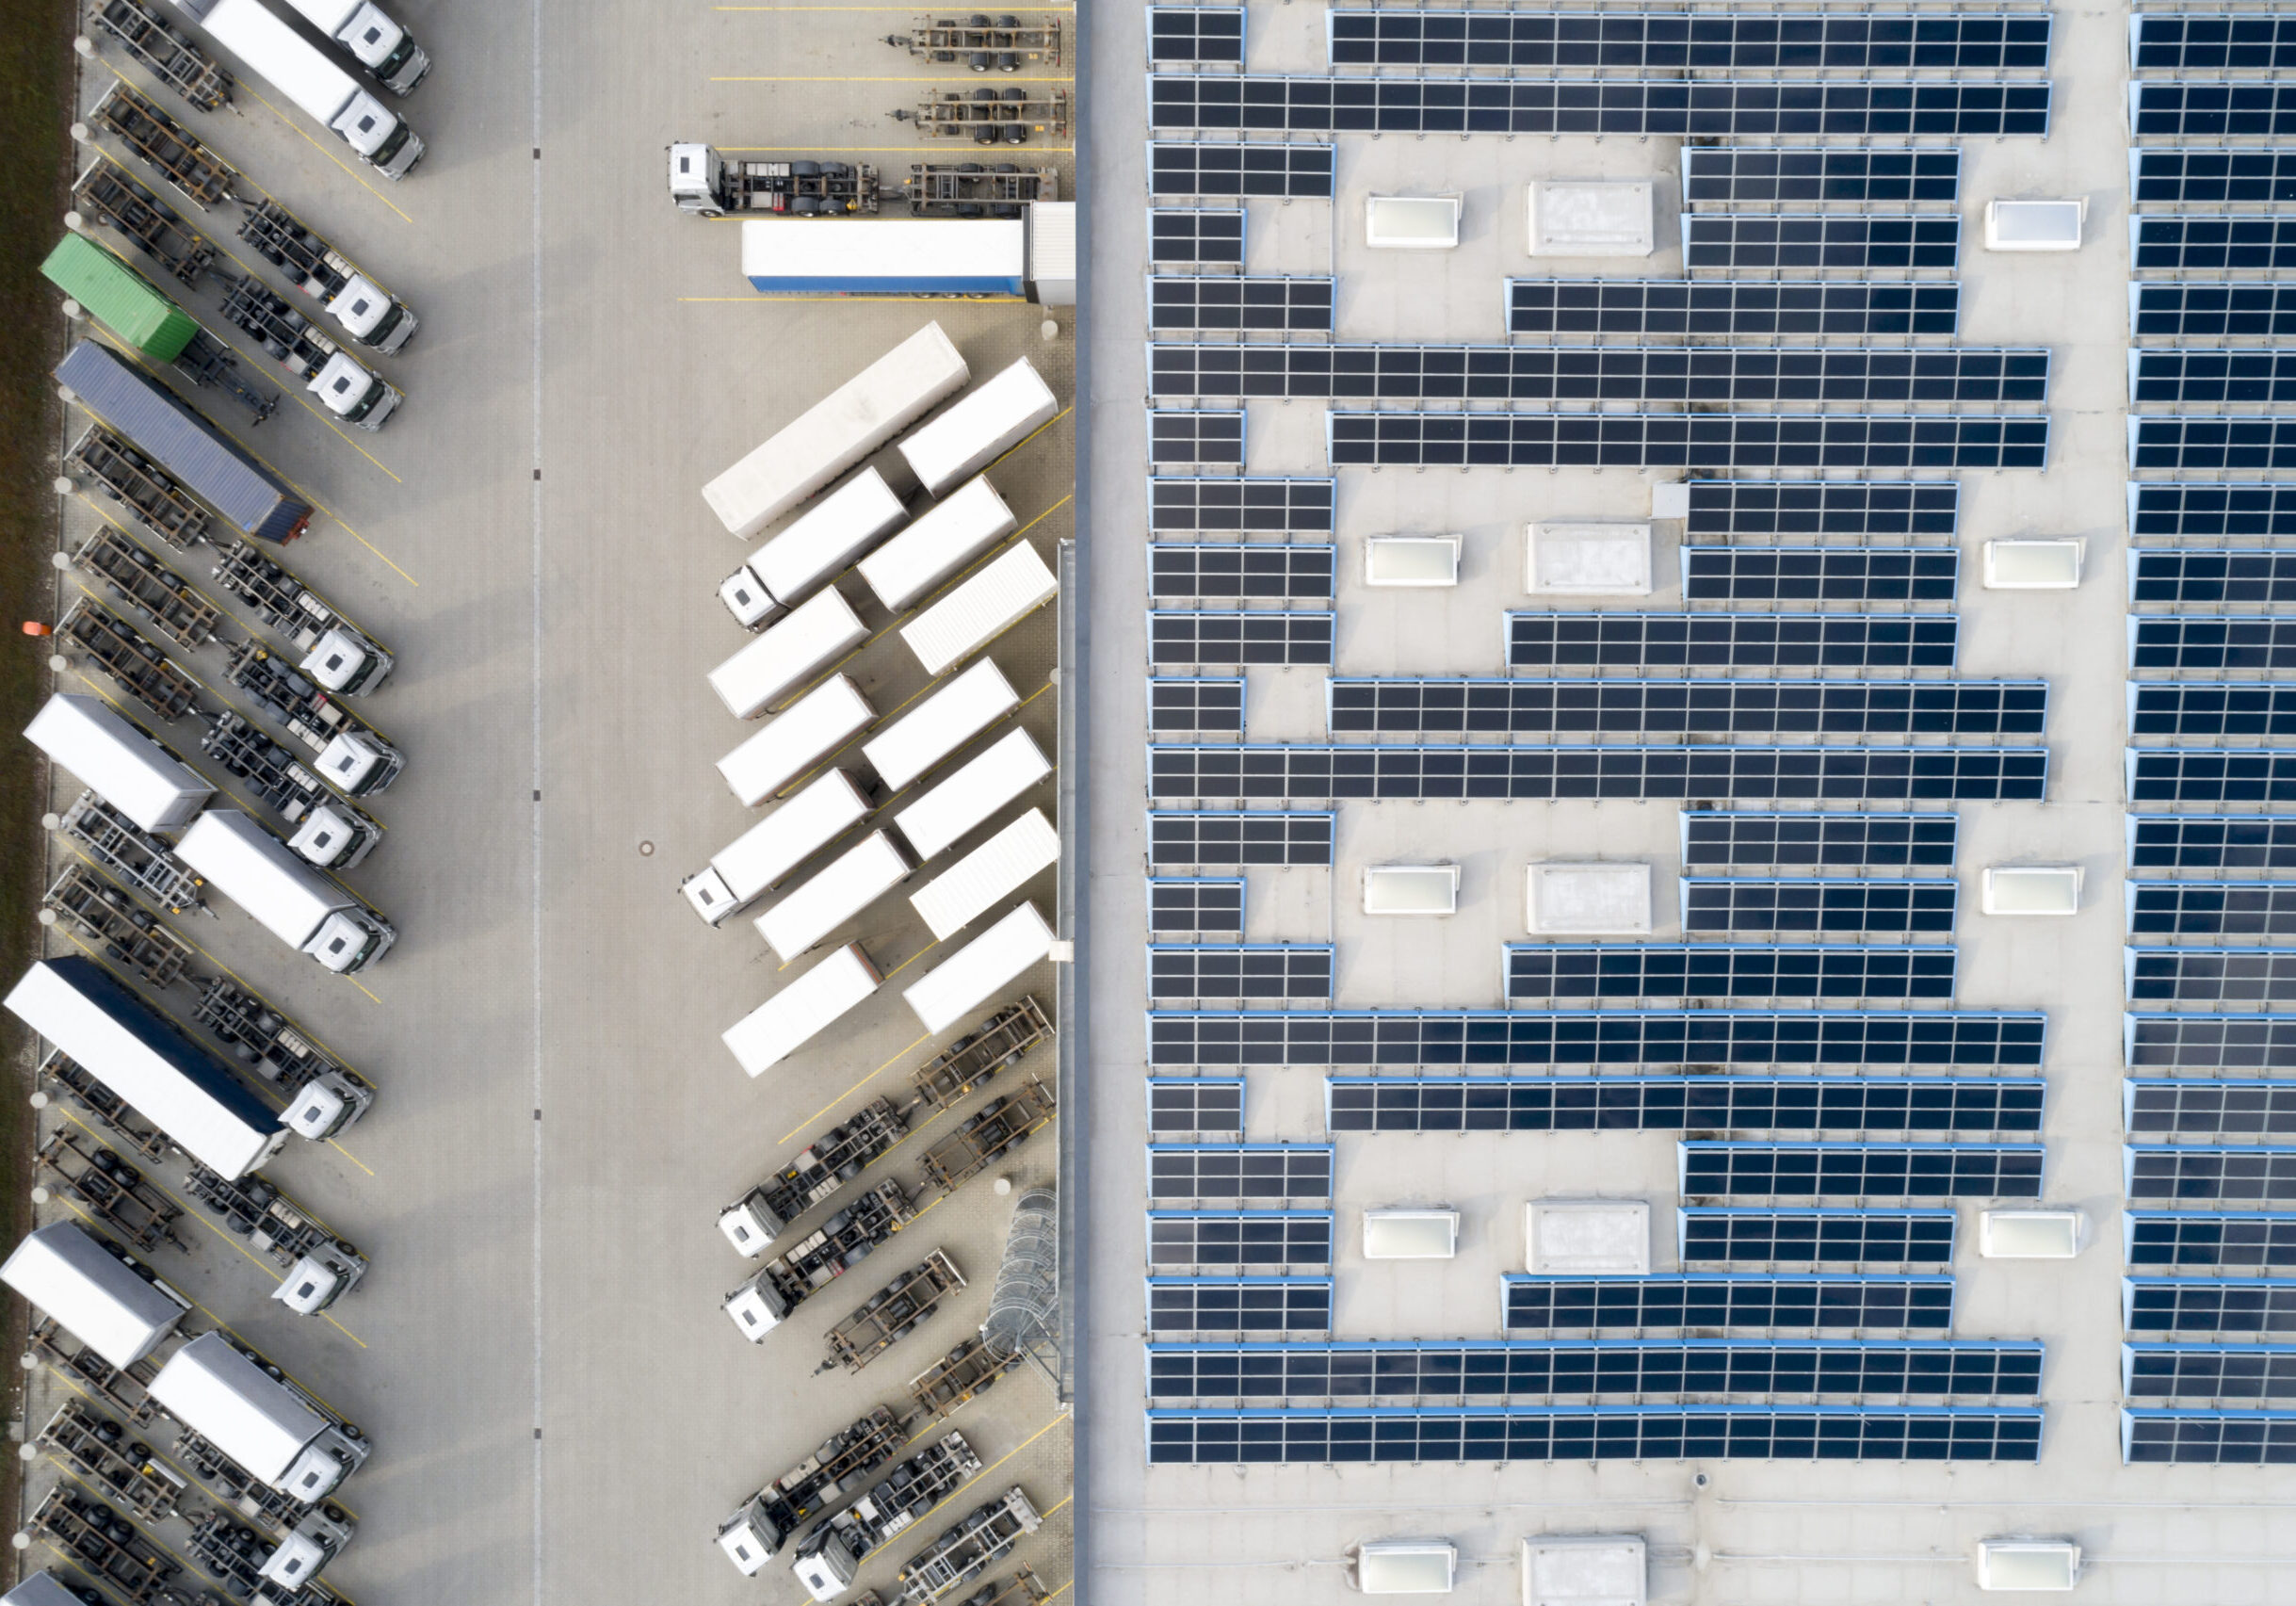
pixel 815 549
pixel 809 729
pixel 978 788
pixel 750 1536
pixel 104 1296
pixel 765 673
pixel 841 429
pixel 980 427
pixel 752 1222
pixel 962 981
pixel 998 596
pixel 301 71
pixel 181 443
pixel 768 852
pixel 844 887
pixel 939 725
pixel 801 1010
pixel 139 1055
pixel 960 524
pixel 988 875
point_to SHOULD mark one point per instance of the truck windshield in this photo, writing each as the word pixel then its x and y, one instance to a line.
pixel 393 143
pixel 366 404
pixel 387 69
pixel 390 320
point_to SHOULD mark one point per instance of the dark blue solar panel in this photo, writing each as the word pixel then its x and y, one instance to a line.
pixel 1732 641
pixel 1717 1301
pixel 1845 1171
pixel 2205 510
pixel 1712 1236
pixel 1738 1103
pixel 1745 903
pixel 1657 707
pixel 2212 645
pixel 1712 43
pixel 1619 970
pixel 1821 507
pixel 2212 909
pixel 1698 440
pixel 2212 842
pixel 1758 175
pixel 2201 1308
pixel 1745 309
pixel 1818 841
pixel 2208 1439
pixel 2212 775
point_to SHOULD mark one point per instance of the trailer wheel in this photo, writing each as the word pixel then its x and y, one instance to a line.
pixel 344 1246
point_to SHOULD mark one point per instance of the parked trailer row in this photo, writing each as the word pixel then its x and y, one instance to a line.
pixel 828 1557
pixel 966 1371
pixel 144 863
pixel 106 919
pixel 987 1135
pixel 804 1009
pixel 104 193
pixel 752 1222
pixel 968 1548
pixel 159 499
pixel 893 1312
pixel 173 58
pixel 300 70
pixel 762 857
pixel 110 1189
pixel 369 313
pixel 766 1519
pixel 340 656
pixel 320 1267
pixel 100 1450
pixel 201 176
pixel 146 585
pixel 764 1300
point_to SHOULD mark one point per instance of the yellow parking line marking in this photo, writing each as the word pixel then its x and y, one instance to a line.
pixel 346 1153
pixel 1058 1592
pixel 855 1088
pixel 242 83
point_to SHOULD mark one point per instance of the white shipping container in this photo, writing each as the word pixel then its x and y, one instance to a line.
pixel 937 726
pixel 846 885
pixel 983 785
pixel 768 668
pixel 981 427
pixel 98 1297
pixel 816 548
pixel 970 976
pixel 988 875
pixel 794 737
pixel 788 1020
pixel 964 522
pixel 762 856
pixel 837 431
pixel 124 767
pixel 976 612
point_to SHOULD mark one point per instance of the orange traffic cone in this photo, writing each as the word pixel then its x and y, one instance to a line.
pixel 34 627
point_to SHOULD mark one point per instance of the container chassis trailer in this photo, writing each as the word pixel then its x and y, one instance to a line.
pixel 147 586
pixel 969 1369
pixel 157 497
pixel 968 189
pixel 968 1548
pixel 195 173
pixel 144 863
pixel 107 1544
pixel 173 58
pixel 110 1189
pixel 99 1450
pixel 105 193
pixel 982 43
pixel 972 1060
pixel 107 919
pixel 988 1135
pixel 126 1391
pixel 990 117
pixel 102 1106
pixel 141 669
pixel 893 1312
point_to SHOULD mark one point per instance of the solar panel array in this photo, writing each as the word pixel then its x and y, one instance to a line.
pixel 1803 1035
pixel 2211 731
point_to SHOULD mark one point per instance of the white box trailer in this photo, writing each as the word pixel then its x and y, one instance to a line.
pixel 767 669
pixel 285 896
pixel 983 785
pixel 1014 583
pixel 939 725
pixel 846 885
pixel 794 737
pixel 103 1297
pixel 988 875
pixel 837 431
pixel 753 862
pixel 980 427
pixel 965 522
pixel 969 977
pixel 793 1016
pixel 300 70
pixel 181 1088
pixel 268 1425
pixel 817 547
pixel 124 767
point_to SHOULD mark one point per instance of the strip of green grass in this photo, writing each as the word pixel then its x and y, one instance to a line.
pixel 37 81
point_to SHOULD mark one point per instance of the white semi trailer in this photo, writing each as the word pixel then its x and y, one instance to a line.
pixel 299 69
pixel 813 550
pixel 803 1010
pixel 285 896
pixel 837 431
pixel 249 1411
pixel 981 426
pixel 386 50
pixel 103 1295
pixel 764 855
pixel 974 790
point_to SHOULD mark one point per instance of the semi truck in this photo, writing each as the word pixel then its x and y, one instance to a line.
pixel 765 1521
pixel 840 429
pixel 1000 954
pixel 287 897
pixel 972 792
pixel 893 1312
pixel 941 541
pixel 274 1512
pixel 197 174
pixel 320 1267
pixel 104 1296
pixel 794 739
pixel 997 596
pixel 764 674
pixel 341 657
pixel 942 723
pixel 329 833
pixel 987 1136
pixel 988 875
pixel 158 500
pixel 244 1560
pixel 385 49
pixel 108 1189
pixel 369 313
pixel 173 59
pixel 141 860
pixel 830 1554
pixel 703 181
pixel 139 1055
pixel 968 1548
pixel 181 443
pixel 340 383
pixel 844 887
pixel 815 548
pixel 266 44
pixel 350 754
pixel 980 427
pixel 1005 43
pixel 972 189
pixel 104 193
pixel 764 1300
pixel 764 855
pixel 250 1412
pixel 752 1222
pixel 327 1094
pixel 1032 256
pixel 803 1010
pixel 100 1450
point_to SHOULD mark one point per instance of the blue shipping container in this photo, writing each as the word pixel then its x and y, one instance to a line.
pixel 176 437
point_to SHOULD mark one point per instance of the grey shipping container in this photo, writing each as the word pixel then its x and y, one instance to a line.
pixel 176 437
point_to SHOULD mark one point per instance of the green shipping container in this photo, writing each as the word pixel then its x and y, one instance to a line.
pixel 120 297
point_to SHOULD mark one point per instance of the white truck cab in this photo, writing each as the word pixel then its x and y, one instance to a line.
pixel 696 179
pixel 314 1282
pixel 349 940
pixel 747 1225
pixel 757 1308
pixel 359 764
pixel 347 663
pixel 370 317
pixel 386 50
pixel 334 840
pixel 345 389
pixel 326 1105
